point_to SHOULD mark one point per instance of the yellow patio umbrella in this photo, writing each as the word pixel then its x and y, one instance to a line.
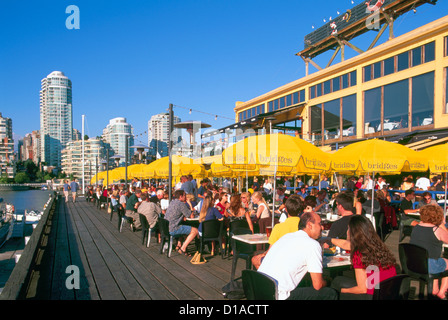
pixel 180 166
pixel 139 171
pixel 276 154
pixel 373 156
pixel 437 157
pixel 377 156
pixel 117 174
pixel 99 176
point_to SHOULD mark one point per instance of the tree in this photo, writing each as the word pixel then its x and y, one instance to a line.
pixel 21 177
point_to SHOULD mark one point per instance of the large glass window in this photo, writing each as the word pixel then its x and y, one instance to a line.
pixel 446 90
pixel 349 116
pixel 423 99
pixel 372 110
pixel 396 105
pixel 332 112
pixel 368 73
pixel 316 121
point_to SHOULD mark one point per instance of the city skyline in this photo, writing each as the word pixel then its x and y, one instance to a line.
pixel 134 60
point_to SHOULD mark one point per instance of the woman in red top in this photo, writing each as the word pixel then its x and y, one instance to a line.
pixel 371 259
pixel 222 205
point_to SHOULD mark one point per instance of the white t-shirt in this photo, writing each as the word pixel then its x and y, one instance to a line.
pixel 423 183
pixel 290 258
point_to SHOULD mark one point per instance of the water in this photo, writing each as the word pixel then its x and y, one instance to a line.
pixel 26 200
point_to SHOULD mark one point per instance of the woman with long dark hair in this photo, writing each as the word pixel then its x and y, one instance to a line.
pixel 371 259
pixel 237 211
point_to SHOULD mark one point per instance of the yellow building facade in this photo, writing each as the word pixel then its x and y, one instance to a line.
pixel 398 88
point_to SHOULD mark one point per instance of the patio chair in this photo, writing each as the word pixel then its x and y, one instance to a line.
pixel 146 230
pixel 166 240
pixel 394 288
pixel 414 263
pixel 259 286
pixel 212 230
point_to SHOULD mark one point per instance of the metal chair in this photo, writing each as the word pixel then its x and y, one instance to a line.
pixel 414 262
pixel 212 230
pixel 146 230
pixel 165 237
pixel 259 286
pixel 394 288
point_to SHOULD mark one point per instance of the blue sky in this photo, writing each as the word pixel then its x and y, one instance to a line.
pixel 133 58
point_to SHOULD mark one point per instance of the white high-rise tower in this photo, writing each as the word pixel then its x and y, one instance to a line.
pixel 56 117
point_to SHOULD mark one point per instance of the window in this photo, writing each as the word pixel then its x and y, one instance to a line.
pixel 389 66
pixel 345 81
pixel 430 51
pixel 416 56
pixel 316 121
pixel 423 99
pixel 377 70
pixel 352 78
pixel 332 112
pixel 396 105
pixel 372 110
pixel 367 73
pixel 327 87
pixel 336 84
pixel 312 92
pixel 403 61
pixel 349 116
pixel 446 90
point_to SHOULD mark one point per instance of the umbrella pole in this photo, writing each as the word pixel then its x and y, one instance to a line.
pixel 373 198
pixel 446 176
pixel 273 196
pixel 319 181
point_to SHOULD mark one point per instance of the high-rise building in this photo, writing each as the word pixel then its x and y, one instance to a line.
pixel 158 133
pixel 29 147
pixel 94 152
pixel 7 157
pixel 56 117
pixel 116 133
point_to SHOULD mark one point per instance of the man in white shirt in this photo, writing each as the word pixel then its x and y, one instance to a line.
pixel 294 255
pixel 423 183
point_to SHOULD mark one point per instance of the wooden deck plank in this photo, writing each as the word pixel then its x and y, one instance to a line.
pixel 61 258
pixel 128 285
pixel 87 290
pixel 104 281
pixel 156 279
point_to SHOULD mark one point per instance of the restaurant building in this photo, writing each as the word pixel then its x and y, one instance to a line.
pixel 395 91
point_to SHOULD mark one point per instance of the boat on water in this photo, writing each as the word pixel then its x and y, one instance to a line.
pixel 6 224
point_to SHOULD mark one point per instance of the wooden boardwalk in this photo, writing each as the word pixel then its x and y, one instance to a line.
pixel 117 266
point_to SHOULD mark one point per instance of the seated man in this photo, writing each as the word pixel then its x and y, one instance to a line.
pixel 150 210
pixel 176 213
pixel 294 207
pixel 344 204
pixel 406 207
pixel 426 199
pixel 294 255
pixel 131 209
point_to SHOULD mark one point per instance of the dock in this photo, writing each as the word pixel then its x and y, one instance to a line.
pixel 78 244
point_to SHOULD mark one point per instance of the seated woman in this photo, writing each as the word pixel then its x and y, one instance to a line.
pixel 237 212
pixel 263 214
pixel 208 212
pixel 430 234
pixel 222 204
pixel 310 203
pixel 368 255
